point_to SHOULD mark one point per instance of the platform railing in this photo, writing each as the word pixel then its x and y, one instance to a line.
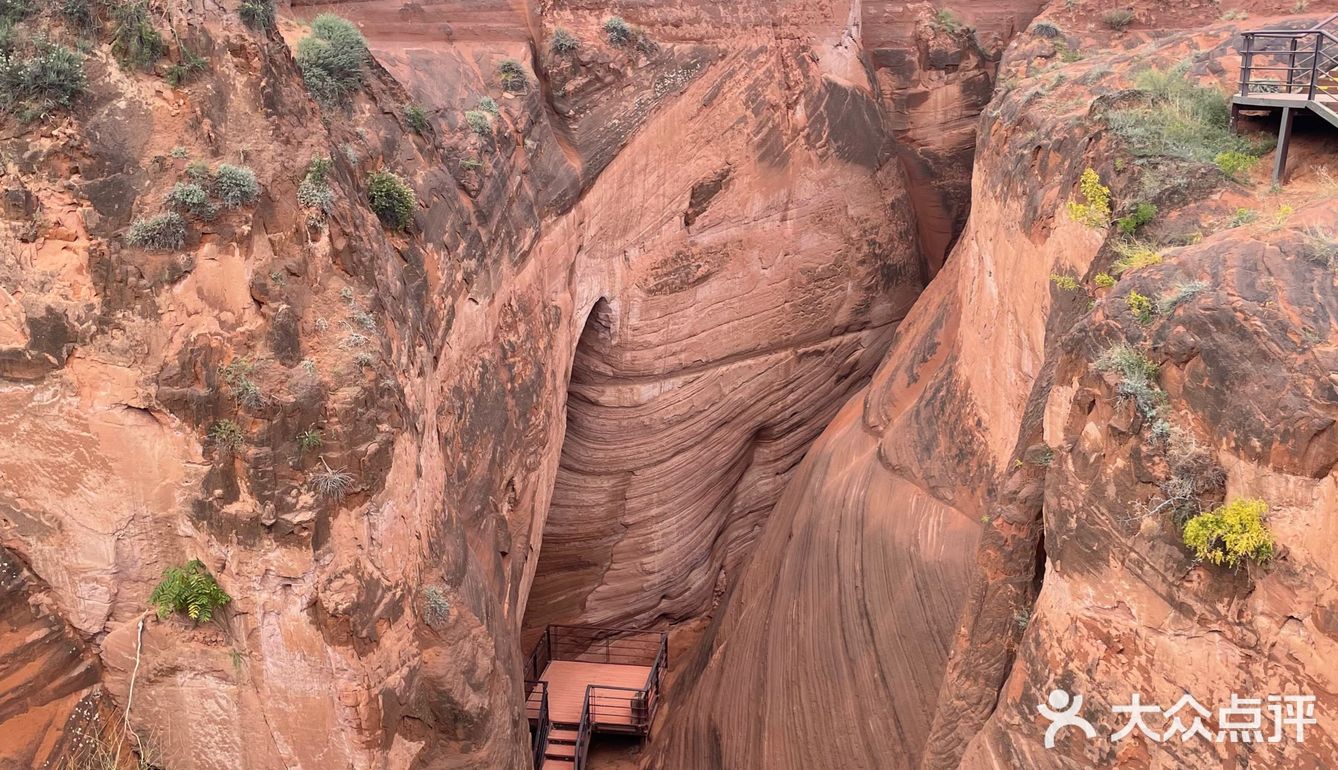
pixel 583 734
pixel 1291 61
pixel 536 711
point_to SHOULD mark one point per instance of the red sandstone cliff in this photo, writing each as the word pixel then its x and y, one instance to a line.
pixel 576 387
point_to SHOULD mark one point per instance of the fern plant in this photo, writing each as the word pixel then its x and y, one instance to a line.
pixel 189 589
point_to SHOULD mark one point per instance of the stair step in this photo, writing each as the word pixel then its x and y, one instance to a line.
pixel 562 735
pixel 554 763
pixel 560 750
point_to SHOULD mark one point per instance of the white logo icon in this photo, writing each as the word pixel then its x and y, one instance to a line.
pixel 1063 712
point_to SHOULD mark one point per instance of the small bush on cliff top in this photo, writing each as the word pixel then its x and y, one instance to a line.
pixel 227 435
pixel 1141 306
pixel 192 199
pixel 1177 118
pixel 1231 534
pixel 41 78
pixel 1118 19
pixel 512 76
pixel 164 232
pixel 1064 282
pixel 617 31
pixel 1134 255
pixel 392 199
pixel 563 42
pixel 1143 213
pixel 134 40
pixel 332 59
pixel 257 14
pixel 1103 280
pixel 235 185
pixel 416 118
pixel 1138 378
pixel 947 21
pixel 479 122
pixel 189 589
pixel 1095 211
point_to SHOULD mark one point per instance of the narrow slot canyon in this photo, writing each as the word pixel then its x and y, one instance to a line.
pixel 667 386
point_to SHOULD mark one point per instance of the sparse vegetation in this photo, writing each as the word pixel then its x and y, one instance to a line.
pixel 314 191
pixel 392 199
pixel 134 40
pixel 1177 118
pixel 436 608
pixel 1118 19
pixel 1095 210
pixel 1243 216
pixel 1133 256
pixel 227 435
pixel 1181 292
pixel 162 232
pixel 1140 306
pixel 39 78
pixel 489 105
pixel 332 58
pixel 331 483
pixel 189 589
pixel 191 199
pixel 1064 282
pixel 235 185
pixel 188 67
pixel 563 42
pixel 257 14
pixel 947 21
pixel 1103 280
pixel 1143 213
pixel 1138 378
pixel 1231 534
pixel 479 122
pixel 1320 246
pixel 1236 14
pixel 512 76
pixel 617 31
pixel 1046 29
pixel 1233 163
pixel 416 118
pixel 237 375
pixel 310 439
pixel 79 15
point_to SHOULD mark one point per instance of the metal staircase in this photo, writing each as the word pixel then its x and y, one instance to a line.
pixel 1290 70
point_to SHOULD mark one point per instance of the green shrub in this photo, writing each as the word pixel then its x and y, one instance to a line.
pixel 416 118
pixel 332 59
pixel 1138 378
pixel 392 199
pixel 1095 211
pixel 37 84
pixel 617 31
pixel 1182 291
pixel 227 435
pixel 479 122
pixel 1177 118
pixel 163 232
pixel 79 15
pixel 1133 256
pixel 1143 213
pixel 189 589
pixel 489 105
pixel 310 439
pixel 1140 306
pixel 134 40
pixel 947 21
pixel 1064 282
pixel 1103 280
pixel 314 191
pixel 563 42
pixel 257 14
pixel 13 11
pixel 1243 216
pixel 1231 534
pixel 192 199
pixel 512 76
pixel 1118 19
pixel 244 389
pixel 1233 163
pixel 235 185
pixel 189 66
pixel 1046 29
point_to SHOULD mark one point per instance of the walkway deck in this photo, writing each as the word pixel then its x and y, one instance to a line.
pixel 567 680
